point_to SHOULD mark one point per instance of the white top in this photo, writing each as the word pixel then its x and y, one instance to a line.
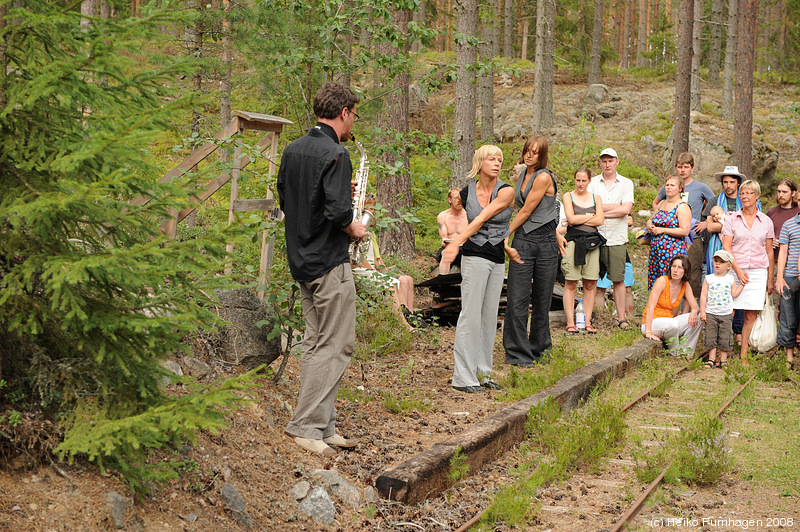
pixel 614 230
pixel 719 301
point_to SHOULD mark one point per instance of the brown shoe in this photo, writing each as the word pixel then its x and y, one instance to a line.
pixel 341 441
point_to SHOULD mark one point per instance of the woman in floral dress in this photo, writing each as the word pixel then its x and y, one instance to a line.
pixel 668 228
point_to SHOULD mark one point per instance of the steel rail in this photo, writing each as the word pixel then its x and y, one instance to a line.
pixel 637 504
pixel 466 526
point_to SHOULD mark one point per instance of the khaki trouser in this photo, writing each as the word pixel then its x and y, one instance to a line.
pixel 329 309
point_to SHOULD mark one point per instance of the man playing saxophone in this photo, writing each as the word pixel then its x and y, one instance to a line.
pixel 315 193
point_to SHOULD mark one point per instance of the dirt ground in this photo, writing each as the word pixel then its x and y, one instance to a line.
pixel 254 456
pixel 263 464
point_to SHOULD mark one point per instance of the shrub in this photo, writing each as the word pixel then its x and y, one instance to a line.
pixel 92 295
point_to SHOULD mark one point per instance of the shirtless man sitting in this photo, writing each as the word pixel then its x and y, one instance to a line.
pixel 451 222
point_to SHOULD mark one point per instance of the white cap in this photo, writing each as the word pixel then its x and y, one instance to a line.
pixel 610 152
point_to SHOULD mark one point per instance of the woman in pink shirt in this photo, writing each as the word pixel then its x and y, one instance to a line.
pixel 748 235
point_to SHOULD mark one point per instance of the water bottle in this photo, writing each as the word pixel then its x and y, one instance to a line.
pixel 580 316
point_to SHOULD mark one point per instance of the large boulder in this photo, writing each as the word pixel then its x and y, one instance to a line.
pixel 242 341
pixel 595 94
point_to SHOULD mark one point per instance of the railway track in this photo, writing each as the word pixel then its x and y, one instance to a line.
pixel 616 499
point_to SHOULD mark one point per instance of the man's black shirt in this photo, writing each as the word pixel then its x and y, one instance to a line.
pixel 315 195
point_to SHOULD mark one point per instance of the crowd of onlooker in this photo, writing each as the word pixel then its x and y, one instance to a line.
pixel 585 236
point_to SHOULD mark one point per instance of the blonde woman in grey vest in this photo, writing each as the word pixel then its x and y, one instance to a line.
pixel 532 279
pixel 487 202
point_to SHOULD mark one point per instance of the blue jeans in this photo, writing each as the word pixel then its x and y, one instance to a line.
pixel 529 284
pixel 790 317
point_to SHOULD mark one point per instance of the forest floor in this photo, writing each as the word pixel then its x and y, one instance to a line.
pixel 264 465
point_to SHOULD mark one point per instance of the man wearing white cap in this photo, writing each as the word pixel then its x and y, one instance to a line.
pixel 789 286
pixel 616 192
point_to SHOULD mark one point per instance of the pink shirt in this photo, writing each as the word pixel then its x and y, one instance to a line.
pixel 749 244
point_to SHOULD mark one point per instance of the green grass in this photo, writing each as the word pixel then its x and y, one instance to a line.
pixel 354 395
pixel 767 416
pixel 401 404
pixel 567 357
pixel 558 445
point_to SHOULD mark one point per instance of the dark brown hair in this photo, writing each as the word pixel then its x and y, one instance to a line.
pixel 686 267
pixel 331 98
pixel 789 182
pixel 541 143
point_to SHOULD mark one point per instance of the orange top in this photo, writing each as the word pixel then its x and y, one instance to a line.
pixel 665 307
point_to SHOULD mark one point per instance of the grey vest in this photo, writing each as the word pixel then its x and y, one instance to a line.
pixel 545 212
pixel 495 229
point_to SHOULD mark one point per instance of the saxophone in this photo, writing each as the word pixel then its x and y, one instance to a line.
pixel 359 248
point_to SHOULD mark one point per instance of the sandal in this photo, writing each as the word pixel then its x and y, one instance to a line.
pixel 723 364
pixel 710 364
pixel 572 329
pixel 591 330
pixel 623 327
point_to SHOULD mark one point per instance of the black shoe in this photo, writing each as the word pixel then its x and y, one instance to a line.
pixel 491 385
pixel 470 389
pixel 416 321
pixel 522 365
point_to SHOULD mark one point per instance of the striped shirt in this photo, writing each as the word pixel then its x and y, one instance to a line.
pixel 790 235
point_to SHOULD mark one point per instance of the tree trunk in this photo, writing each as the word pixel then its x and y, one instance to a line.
pixel 715 42
pixel 626 35
pixel 745 59
pixel 105 10
pixel 420 16
pixel 193 39
pixel 538 73
pixel 730 60
pixel 225 82
pixel 485 87
pixel 464 120
pixel 549 62
pixel 88 10
pixel 526 28
pixel 697 32
pixel 3 58
pixel 641 41
pixel 680 130
pixel 394 189
pixel 597 43
pixel 508 30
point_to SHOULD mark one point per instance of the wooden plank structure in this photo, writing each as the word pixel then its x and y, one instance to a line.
pixel 446 290
pixel 242 120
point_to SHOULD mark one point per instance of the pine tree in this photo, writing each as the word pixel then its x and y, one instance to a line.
pixel 92 295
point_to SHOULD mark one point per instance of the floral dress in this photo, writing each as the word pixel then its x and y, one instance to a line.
pixel 663 247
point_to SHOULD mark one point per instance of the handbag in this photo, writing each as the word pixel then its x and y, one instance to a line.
pixel 764 335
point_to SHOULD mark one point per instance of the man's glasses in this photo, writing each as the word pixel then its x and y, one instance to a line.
pixel 355 115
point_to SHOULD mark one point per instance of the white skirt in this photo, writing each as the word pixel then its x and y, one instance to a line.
pixel 754 292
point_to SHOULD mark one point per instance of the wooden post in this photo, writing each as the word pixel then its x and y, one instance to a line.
pixel 267 247
pixel 235 172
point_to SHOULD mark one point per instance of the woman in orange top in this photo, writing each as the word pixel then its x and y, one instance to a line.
pixel 661 320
